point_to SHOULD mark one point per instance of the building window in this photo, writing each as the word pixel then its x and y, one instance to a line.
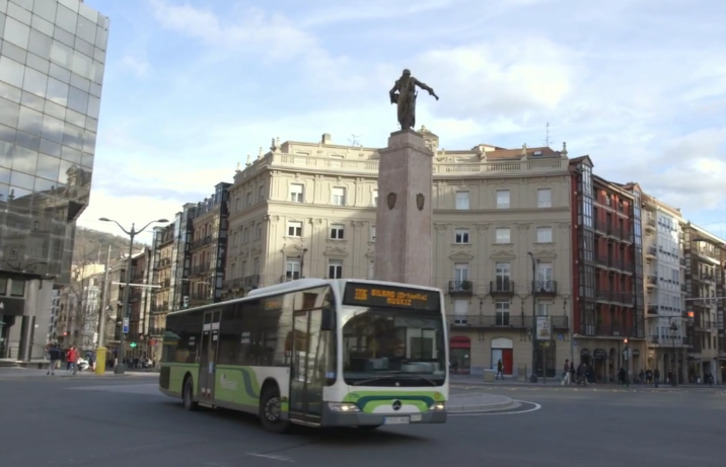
pixel 502 313
pixel 296 192
pixel 461 236
pixel 261 194
pixel 544 234
pixel 17 287
pixel 371 269
pixel 248 196
pixel 544 198
pixel 373 233
pixel 338 196
pixel 462 200
pixel 502 273
pixel 258 232
pixel 335 269
pixel 461 310
pixel 337 231
pixel 543 309
pixel 245 235
pixel 294 229
pixel 256 266
pixel 292 269
pixel 461 274
pixel 544 278
pixel 375 197
pixel 502 199
pixel 503 235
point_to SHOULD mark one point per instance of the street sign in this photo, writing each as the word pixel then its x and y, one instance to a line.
pixel 126 326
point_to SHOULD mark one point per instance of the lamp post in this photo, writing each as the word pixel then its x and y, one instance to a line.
pixel 119 368
pixel 302 262
pixel 533 374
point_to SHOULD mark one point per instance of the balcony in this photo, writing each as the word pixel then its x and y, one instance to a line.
pixel 251 281
pixel 156 332
pixel 614 330
pixel 501 287
pixel 652 282
pixel 651 253
pixel 460 287
pixel 650 224
pixel 502 321
pixel 652 309
pixel 544 288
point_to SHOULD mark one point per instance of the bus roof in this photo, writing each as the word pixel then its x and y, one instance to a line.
pixel 301 284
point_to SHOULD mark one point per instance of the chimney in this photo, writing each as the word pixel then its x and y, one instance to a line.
pixel 326 138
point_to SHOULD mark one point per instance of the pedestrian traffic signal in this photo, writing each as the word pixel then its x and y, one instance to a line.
pixel 132 345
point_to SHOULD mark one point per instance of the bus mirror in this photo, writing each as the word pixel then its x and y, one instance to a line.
pixel 327 320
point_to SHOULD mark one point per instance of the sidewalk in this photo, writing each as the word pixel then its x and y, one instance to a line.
pixel 19 372
pixel 473 380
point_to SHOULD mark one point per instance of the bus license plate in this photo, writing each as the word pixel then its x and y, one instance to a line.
pixel 397 420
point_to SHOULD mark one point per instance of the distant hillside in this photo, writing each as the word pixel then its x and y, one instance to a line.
pixel 91 246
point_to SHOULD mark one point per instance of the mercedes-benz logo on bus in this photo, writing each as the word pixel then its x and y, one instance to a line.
pixel 396 405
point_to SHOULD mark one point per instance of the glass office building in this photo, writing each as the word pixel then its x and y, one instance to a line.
pixel 52 56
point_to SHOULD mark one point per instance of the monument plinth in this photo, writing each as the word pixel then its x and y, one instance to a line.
pixel 404 212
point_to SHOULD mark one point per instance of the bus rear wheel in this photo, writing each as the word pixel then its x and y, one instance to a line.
pixel 271 411
pixel 188 395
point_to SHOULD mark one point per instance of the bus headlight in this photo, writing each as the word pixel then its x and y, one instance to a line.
pixel 438 406
pixel 343 407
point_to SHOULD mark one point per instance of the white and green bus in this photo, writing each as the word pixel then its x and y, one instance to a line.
pixel 314 352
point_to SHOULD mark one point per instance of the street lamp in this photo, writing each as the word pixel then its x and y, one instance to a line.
pixel 533 374
pixel 119 368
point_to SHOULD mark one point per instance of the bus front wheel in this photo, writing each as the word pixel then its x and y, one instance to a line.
pixel 271 411
pixel 188 395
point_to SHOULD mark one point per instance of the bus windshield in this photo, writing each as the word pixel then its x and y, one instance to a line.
pixel 393 347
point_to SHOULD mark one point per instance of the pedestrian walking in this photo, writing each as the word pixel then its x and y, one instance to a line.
pixel 54 354
pixel 72 359
pixel 566 373
pixel 656 377
pixel 500 369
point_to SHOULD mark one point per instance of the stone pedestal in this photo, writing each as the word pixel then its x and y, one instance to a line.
pixel 404 212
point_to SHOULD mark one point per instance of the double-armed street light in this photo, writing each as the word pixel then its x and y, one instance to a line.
pixel 120 367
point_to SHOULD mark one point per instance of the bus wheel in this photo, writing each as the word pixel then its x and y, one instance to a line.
pixel 188 395
pixel 271 412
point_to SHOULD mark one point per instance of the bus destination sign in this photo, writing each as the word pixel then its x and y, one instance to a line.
pixel 390 296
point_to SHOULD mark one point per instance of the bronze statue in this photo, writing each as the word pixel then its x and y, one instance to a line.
pixel 404 94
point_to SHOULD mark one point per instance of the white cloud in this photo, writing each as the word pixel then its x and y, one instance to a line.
pixel 137 65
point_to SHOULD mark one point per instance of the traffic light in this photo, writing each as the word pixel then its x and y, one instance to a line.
pixel 132 345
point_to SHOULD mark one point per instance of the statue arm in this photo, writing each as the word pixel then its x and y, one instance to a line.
pixel 428 88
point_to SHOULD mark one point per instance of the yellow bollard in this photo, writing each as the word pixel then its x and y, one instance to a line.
pixel 101 360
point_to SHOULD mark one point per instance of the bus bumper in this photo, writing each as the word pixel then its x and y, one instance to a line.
pixel 337 418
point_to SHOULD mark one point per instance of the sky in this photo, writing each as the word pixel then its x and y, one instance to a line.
pixel 194 87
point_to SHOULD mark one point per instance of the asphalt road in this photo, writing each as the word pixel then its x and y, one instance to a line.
pixel 123 421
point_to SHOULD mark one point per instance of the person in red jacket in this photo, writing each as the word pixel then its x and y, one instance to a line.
pixel 72 358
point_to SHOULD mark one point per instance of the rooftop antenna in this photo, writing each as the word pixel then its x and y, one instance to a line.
pixel 353 140
pixel 547 135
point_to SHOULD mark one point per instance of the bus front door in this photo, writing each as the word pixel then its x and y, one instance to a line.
pixel 307 376
pixel 208 356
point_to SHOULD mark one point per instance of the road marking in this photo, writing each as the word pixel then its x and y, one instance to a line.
pixel 535 407
pixel 275 457
pixel 139 388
